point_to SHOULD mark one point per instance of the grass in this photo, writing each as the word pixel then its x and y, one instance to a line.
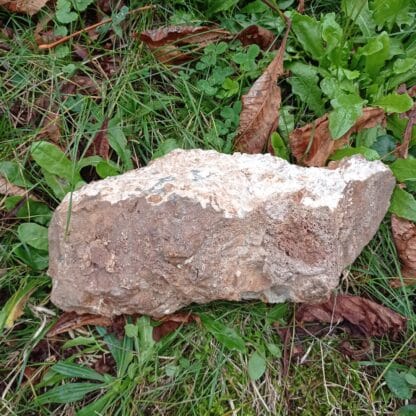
pixel 188 372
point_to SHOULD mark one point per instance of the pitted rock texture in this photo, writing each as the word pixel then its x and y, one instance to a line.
pixel 198 226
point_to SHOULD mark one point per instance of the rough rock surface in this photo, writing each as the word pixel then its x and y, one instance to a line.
pixel 196 226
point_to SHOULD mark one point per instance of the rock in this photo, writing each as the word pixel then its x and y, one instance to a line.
pixel 197 226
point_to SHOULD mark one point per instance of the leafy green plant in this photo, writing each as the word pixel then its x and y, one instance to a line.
pixel 402 384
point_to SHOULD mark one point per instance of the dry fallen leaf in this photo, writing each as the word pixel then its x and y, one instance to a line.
pixel 260 113
pixel 51 128
pixel 258 35
pixel 81 84
pixel 166 43
pixel 312 144
pixel 30 7
pixel 171 322
pixel 404 236
pixel 8 189
pixel 71 320
pixel 366 316
pixel 100 145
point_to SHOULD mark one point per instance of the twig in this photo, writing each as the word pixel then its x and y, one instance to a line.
pixel 88 28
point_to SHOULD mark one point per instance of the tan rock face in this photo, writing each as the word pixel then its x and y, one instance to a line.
pixel 198 226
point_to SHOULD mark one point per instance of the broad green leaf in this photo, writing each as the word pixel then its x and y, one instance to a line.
pixel 34 235
pixel 14 174
pixel 395 103
pixel 401 66
pixel 279 146
pixel 304 82
pixel 30 210
pixel 404 169
pixel 286 121
pixel 131 330
pixel 51 159
pixel 256 366
pixel 36 259
pixel 375 52
pixel 224 335
pixel 215 6
pixel 347 109
pixel 410 378
pixel 332 34
pixel 359 13
pixel 146 341
pixel 408 410
pixel 13 308
pixel 107 168
pixel 385 146
pixel 165 147
pixel 81 5
pixel 79 341
pixel 369 154
pixel 403 204
pixel 118 143
pixel 387 12
pixel 88 161
pixel 60 186
pixel 308 33
pixel 77 371
pixel 398 385
pixel 63 13
pixel 68 393
pixel 274 350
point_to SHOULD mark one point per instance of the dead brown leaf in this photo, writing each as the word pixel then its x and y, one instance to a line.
pixel 166 43
pixel 171 322
pixel 258 35
pixel 8 189
pixel 312 144
pixel 260 113
pixel 81 84
pixel 404 236
pixel 100 145
pixel 51 128
pixel 71 320
pixel 29 7
pixel 364 315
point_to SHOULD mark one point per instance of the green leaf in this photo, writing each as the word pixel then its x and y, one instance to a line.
pixel 51 159
pixel 401 66
pixel 398 385
pixel 15 304
pixel 146 341
pixel 277 313
pixel 14 174
pixel 107 168
pixel 304 82
pixel 256 366
pixel 342 119
pixel 64 13
pixel 165 147
pixel 408 410
pixel 279 146
pixel 369 154
pixel 395 103
pixel 98 405
pixel 286 121
pixel 81 5
pixel 404 169
pixel 118 142
pixel 308 33
pixel 359 13
pixel 375 52
pixel 385 145
pixel 30 210
pixel 410 378
pixel 403 204
pixel 37 260
pixel 34 235
pixel 228 337
pixel 131 330
pixel 77 371
pixel 332 34
pixel 274 350
pixel 388 12
pixel 215 6
pixel 68 393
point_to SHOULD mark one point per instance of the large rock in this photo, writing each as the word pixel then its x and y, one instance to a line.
pixel 196 226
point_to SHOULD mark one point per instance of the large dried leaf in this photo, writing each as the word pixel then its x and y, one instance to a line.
pixel 8 189
pixel 171 322
pixel 258 35
pixel 260 113
pixel 404 236
pixel 71 320
pixel 30 7
pixel 166 43
pixel 100 145
pixel 312 144
pixel 370 318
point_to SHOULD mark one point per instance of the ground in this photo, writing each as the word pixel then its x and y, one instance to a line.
pixel 110 82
